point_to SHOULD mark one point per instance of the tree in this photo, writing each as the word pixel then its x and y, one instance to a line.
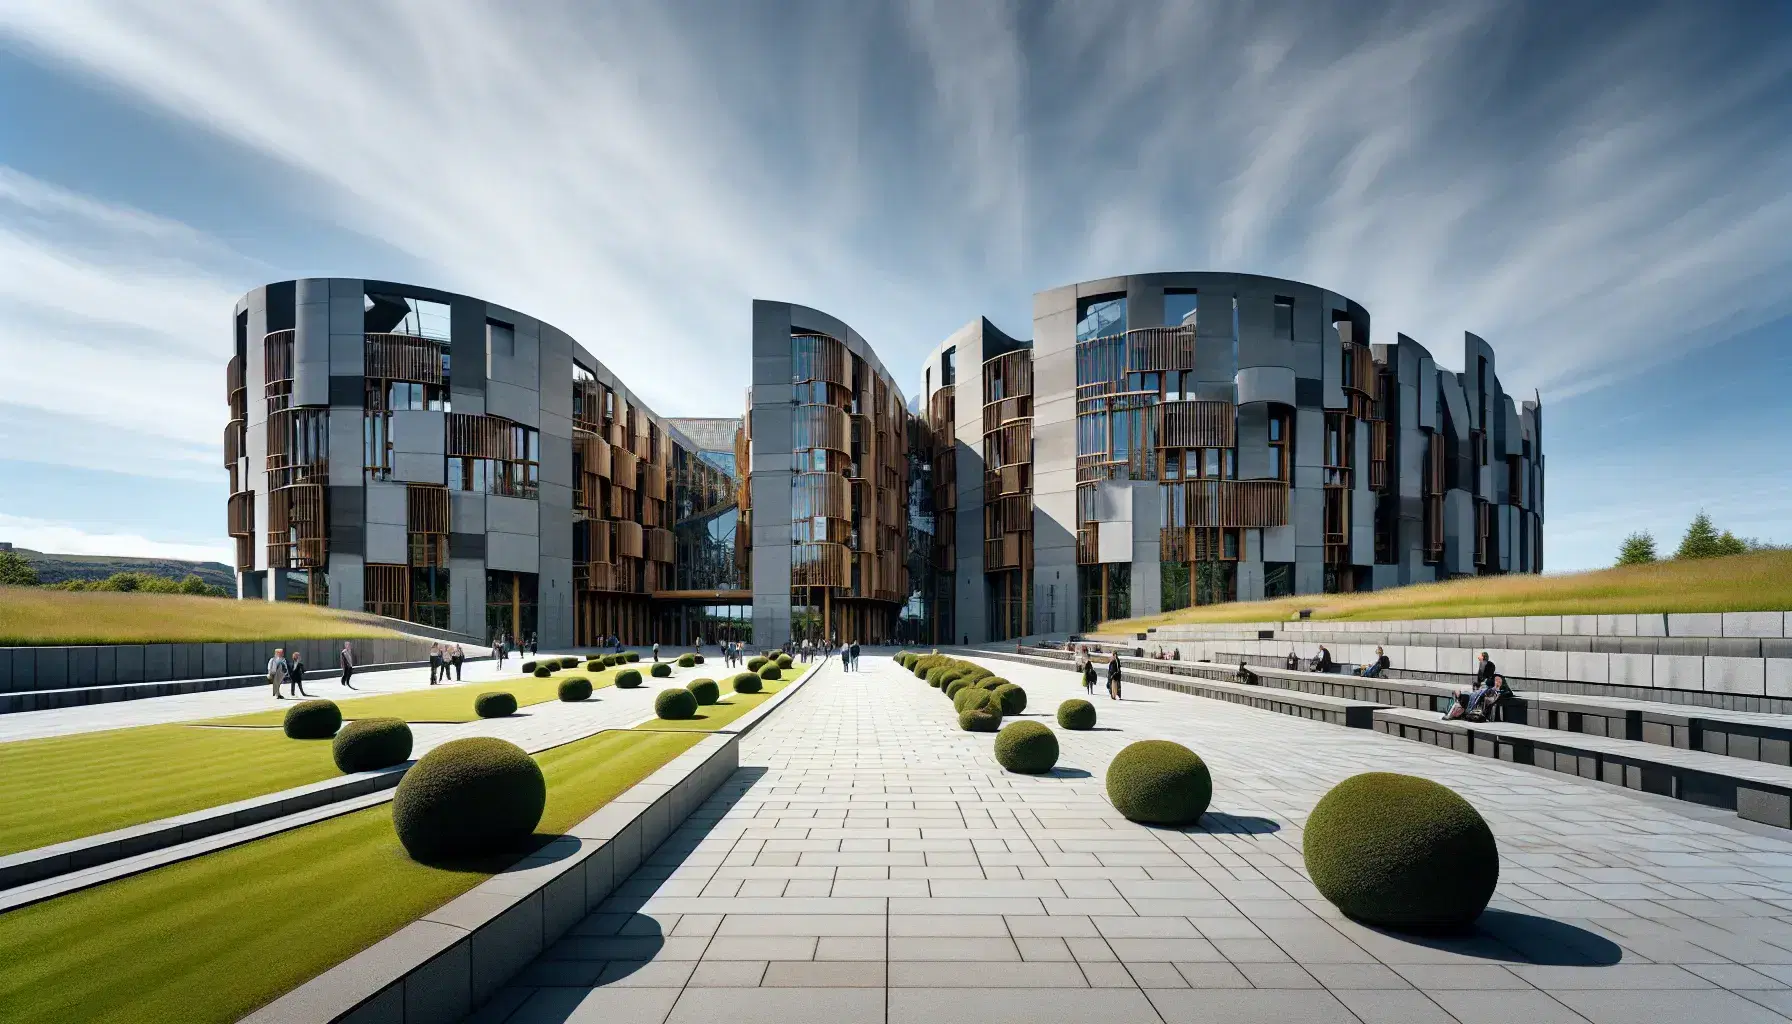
pixel 1730 544
pixel 1638 549
pixel 1701 540
pixel 15 571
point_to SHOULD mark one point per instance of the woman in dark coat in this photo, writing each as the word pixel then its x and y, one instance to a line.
pixel 1114 676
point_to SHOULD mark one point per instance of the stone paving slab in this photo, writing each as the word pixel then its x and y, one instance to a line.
pixel 871 862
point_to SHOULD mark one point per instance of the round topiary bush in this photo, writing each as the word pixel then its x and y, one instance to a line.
pixel 1076 713
pixel 468 796
pixel 660 670
pixel 980 720
pixel 970 698
pixel 687 661
pixel 542 671
pixel 569 662
pixel 313 720
pixel 496 704
pixel 528 668
pixel 1157 782
pixel 954 688
pixel 1401 852
pixel 369 744
pixel 633 656
pixel 1026 747
pixel 628 678
pixel 705 690
pixel 596 665
pixel 754 664
pixel 784 661
pixel 575 689
pixel 771 672
pixel 1012 698
pixel 747 682
pixel 697 659
pixel 675 703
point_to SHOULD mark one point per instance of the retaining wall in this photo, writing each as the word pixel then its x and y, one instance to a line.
pixel 26 669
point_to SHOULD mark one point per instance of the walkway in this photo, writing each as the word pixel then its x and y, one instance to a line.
pixel 870 862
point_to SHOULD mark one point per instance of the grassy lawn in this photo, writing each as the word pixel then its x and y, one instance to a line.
pixel 212 938
pixel 67 787
pixel 438 703
pixel 30 616
pixel 1758 581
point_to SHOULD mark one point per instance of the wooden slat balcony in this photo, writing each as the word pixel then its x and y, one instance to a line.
pixel 1007 410
pixel 1198 425
pixel 240 512
pixel 406 357
pixel 1009 551
pixel 1359 373
pixel 277 356
pixel 659 546
pixel 426 508
pixel 630 541
pixel 235 441
pixel 625 468
pixel 1087 544
pixel 1158 349
pixel 820 565
pixel 1252 503
pixel 819 357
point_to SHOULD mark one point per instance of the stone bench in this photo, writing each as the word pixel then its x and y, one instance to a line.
pixel 1755 790
pixel 1202 680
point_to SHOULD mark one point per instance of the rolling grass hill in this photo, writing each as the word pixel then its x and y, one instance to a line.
pixel 1757 581
pixel 34 616
pixel 54 568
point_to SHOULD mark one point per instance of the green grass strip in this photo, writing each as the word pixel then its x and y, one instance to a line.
pixel 213 938
pixel 437 703
pixel 68 787
pixel 714 716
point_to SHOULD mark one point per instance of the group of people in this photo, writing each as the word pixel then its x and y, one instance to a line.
pixel 1085 667
pixel 1481 701
pixel 445 661
pixel 849 657
pixel 502 645
pixel 734 653
pixel 288 670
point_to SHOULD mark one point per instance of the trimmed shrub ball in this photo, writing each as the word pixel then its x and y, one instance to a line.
pixel 675 703
pixel 954 688
pixel 971 698
pixel 1401 852
pixel 747 682
pixel 569 662
pixel 784 661
pixel 1012 698
pixel 754 664
pixel 575 689
pixel 633 656
pixel 660 670
pixel 980 720
pixel 992 682
pixel 466 797
pixel 496 704
pixel 628 678
pixel 1076 713
pixel 1026 747
pixel 313 720
pixel 369 744
pixel 528 668
pixel 697 658
pixel 542 671
pixel 687 661
pixel 707 691
pixel 771 672
pixel 1157 782
pixel 596 665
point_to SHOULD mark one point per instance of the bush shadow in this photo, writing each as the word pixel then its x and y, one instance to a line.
pixel 1512 937
pixel 1221 823
pixel 540 848
pixel 1061 772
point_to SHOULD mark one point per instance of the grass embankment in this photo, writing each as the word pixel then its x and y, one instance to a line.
pixel 36 617
pixel 437 703
pixel 212 938
pixel 67 787
pixel 1758 581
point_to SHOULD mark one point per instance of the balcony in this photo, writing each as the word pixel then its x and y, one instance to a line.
pixel 1198 425
pixel 1248 503
pixel 404 357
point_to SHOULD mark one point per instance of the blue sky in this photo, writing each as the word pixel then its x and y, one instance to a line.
pixel 1602 192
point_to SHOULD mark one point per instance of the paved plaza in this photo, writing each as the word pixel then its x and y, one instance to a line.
pixel 871 862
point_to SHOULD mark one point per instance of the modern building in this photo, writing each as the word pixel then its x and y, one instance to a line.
pixel 1162 440
pixel 1202 437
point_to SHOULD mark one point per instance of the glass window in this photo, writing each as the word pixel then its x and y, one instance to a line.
pixel 1284 318
pixel 1100 317
pixel 949 367
pixel 1173 464
pixel 1179 307
pixel 1210 462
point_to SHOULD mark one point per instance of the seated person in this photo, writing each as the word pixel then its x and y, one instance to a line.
pixel 1293 661
pixel 1487 698
pixel 1374 670
pixel 1322 662
pixel 1175 654
pixel 1245 675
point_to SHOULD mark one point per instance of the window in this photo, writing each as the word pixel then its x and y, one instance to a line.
pixel 949 367
pixel 1284 326
pixel 1173 464
pixel 1281 445
pixel 1100 317
pixel 1179 307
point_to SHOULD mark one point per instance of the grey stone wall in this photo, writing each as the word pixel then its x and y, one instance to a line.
pixel 24 669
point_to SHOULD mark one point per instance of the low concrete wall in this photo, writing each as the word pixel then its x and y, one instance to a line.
pixel 25 669
pixel 1744 659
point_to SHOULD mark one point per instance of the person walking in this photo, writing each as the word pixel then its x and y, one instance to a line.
pixel 656 651
pixel 459 658
pixel 295 671
pixel 435 662
pixel 855 657
pixel 1114 675
pixel 277 669
pixel 1088 673
pixel 347 661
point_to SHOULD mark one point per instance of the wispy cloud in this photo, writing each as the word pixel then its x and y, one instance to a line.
pixel 64 539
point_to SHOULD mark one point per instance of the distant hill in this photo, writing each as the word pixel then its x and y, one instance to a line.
pixel 53 568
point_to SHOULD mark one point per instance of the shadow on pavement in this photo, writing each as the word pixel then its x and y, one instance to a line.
pixel 1511 937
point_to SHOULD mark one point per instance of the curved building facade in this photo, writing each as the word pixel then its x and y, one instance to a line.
pixel 1202 437
pixel 445 460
